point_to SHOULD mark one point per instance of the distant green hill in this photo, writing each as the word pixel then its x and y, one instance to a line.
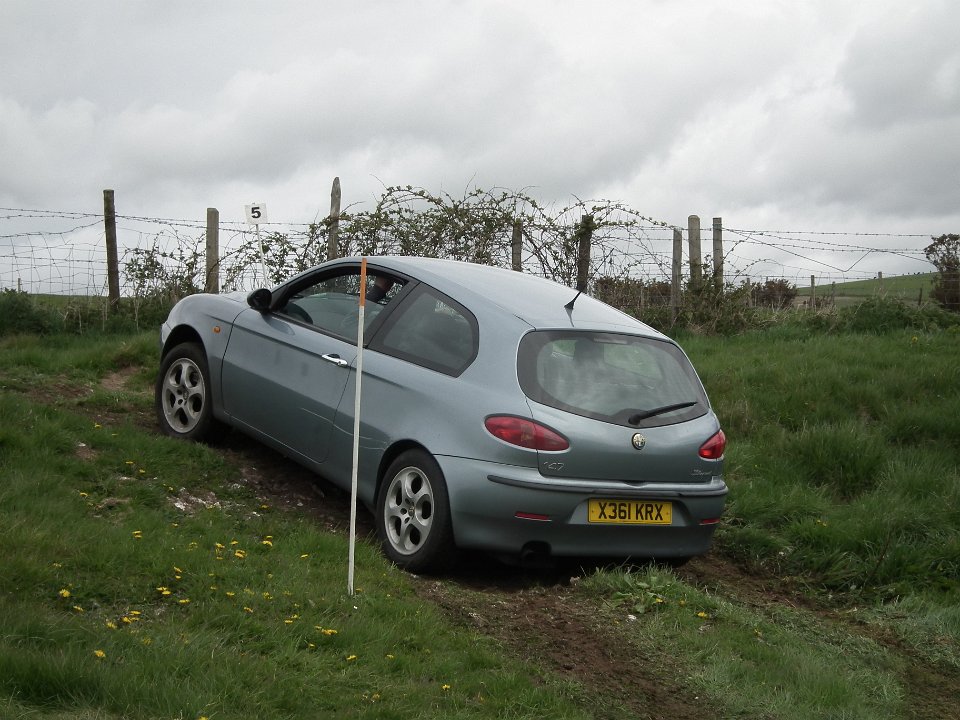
pixel 905 287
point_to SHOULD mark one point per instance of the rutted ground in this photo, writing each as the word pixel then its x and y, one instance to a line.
pixel 539 616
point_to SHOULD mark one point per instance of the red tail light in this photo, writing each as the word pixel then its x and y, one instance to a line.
pixel 525 433
pixel 713 448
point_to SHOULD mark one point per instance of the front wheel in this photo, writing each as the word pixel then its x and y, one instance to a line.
pixel 413 514
pixel 183 398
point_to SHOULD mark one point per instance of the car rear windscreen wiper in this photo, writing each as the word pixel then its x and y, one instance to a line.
pixel 640 416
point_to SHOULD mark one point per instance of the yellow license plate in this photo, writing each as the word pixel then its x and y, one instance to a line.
pixel 630 512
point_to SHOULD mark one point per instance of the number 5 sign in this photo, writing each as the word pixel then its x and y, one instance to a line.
pixel 256 213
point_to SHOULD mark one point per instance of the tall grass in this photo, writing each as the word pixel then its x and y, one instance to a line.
pixel 843 457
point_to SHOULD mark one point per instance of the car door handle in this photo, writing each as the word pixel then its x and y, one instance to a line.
pixel 335 359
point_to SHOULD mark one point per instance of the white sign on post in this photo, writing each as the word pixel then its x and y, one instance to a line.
pixel 256 213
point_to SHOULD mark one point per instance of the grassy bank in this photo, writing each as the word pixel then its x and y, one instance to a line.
pixel 141 577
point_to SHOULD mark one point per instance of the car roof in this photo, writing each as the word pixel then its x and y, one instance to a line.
pixel 535 300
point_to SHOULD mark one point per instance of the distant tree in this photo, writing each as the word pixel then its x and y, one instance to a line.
pixel 777 294
pixel 944 253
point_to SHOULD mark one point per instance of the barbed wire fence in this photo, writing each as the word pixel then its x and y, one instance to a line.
pixel 60 252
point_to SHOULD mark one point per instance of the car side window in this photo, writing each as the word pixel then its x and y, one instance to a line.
pixel 432 330
pixel 332 304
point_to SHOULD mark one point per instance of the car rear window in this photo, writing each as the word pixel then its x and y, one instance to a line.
pixel 622 379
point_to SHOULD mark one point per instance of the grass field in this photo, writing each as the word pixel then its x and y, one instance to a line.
pixel 144 578
pixel 908 288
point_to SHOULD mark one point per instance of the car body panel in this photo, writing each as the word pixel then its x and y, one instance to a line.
pixel 275 380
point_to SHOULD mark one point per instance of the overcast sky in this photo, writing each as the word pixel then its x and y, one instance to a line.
pixel 804 116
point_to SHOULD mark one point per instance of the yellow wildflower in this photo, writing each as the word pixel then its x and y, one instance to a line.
pixel 351 658
pixel 100 654
pixel 64 593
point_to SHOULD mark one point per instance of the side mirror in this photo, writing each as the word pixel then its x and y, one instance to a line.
pixel 260 300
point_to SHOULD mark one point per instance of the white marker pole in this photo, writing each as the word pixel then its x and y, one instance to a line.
pixel 356 428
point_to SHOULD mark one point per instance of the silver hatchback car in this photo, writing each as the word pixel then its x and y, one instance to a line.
pixel 500 411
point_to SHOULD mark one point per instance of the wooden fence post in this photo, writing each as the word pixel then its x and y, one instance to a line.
pixel 696 262
pixel 113 262
pixel 212 284
pixel 676 271
pixel 813 292
pixel 718 253
pixel 584 233
pixel 516 246
pixel 334 228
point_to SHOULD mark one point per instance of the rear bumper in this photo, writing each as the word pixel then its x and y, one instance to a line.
pixel 486 498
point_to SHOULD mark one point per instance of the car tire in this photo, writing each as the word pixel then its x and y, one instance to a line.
pixel 182 394
pixel 413 514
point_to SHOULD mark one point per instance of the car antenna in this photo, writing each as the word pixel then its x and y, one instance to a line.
pixel 569 305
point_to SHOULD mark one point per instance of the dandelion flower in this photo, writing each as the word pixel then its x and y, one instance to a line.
pixel 268 543
pixel 100 654
pixel 247 609
pixel 390 657
pixel 83 494
pixel 64 593
pixel 184 601
pixel 78 608
pixel 230 593
pixel 111 624
pixel 444 687
pixel 351 658
pixel 241 554
pixel 305 555
pixel 702 615
pixel 329 631
pixel 137 534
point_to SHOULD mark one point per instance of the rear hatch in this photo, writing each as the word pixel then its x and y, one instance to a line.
pixel 631 407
